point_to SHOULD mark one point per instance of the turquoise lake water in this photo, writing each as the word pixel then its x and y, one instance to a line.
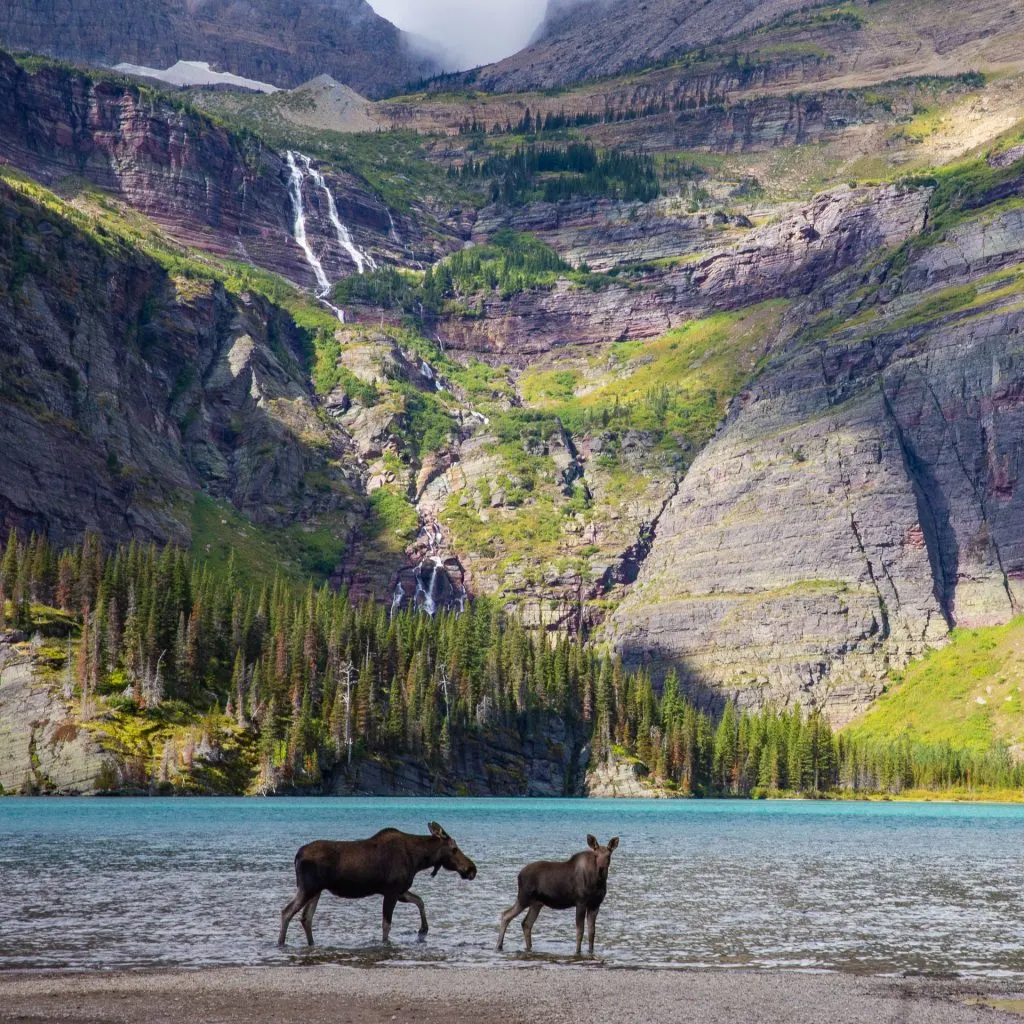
pixel 871 888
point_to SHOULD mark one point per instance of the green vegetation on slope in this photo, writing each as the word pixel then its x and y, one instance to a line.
pixel 666 396
pixel 200 682
pixel 225 539
pixel 675 385
pixel 510 263
pixel 553 173
pixel 968 694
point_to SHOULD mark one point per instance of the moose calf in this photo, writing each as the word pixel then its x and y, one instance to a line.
pixel 383 865
pixel 579 882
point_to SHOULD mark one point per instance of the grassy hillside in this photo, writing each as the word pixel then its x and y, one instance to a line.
pixel 967 694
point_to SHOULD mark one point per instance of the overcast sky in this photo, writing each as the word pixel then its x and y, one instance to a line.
pixel 474 31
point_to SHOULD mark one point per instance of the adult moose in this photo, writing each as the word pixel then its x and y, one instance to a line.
pixel 383 865
pixel 580 882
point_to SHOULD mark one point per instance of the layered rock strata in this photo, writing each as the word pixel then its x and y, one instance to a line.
pixel 785 259
pixel 270 40
pixel 862 498
pixel 123 391
pixel 198 182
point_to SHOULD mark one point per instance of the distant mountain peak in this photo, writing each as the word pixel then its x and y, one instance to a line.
pixel 271 41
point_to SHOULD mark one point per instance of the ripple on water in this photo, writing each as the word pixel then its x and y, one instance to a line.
pixel 882 889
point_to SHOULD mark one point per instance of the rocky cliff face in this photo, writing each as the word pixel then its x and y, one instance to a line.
pixel 272 41
pixel 591 38
pixel 149 388
pixel 201 184
pixel 43 748
pixel 784 259
pixel 595 38
pixel 863 496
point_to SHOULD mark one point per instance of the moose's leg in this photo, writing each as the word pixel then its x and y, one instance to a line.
pixel 581 916
pixel 389 911
pixel 411 897
pixel 307 918
pixel 300 900
pixel 591 927
pixel 531 916
pixel 506 919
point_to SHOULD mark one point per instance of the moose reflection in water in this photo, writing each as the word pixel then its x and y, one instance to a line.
pixel 579 882
pixel 384 865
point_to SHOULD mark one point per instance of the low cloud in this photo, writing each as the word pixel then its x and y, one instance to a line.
pixel 469 32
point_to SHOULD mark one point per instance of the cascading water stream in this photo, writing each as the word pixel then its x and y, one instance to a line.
pixel 397 599
pixel 299 226
pixel 361 259
pixel 439 589
pixel 394 231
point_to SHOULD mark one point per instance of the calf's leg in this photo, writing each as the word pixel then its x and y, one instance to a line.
pixel 300 900
pixel 506 919
pixel 591 927
pixel 307 918
pixel 531 916
pixel 389 911
pixel 581 914
pixel 411 897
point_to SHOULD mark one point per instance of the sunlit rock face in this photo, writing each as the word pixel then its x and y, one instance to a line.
pixel 862 498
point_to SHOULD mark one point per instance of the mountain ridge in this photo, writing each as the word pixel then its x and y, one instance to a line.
pixel 271 41
pixel 716 363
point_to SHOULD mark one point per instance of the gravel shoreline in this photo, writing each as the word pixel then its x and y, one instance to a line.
pixel 430 995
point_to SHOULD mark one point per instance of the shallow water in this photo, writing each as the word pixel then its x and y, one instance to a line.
pixel 873 888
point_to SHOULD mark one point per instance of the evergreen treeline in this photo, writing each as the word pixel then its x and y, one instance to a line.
pixel 510 263
pixel 558 121
pixel 314 676
pixel 554 173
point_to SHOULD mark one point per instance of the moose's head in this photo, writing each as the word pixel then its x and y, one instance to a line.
pixel 602 855
pixel 451 857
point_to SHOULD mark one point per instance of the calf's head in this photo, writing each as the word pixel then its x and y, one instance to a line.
pixel 602 854
pixel 452 858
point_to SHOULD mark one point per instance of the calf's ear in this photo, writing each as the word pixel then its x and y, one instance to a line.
pixel 436 830
pixel 613 843
pixel 592 842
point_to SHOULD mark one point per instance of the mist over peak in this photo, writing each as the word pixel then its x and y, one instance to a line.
pixel 467 33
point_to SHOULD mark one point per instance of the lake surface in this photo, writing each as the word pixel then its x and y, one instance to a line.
pixel 873 888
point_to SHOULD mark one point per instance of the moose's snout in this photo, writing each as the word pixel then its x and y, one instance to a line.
pixel 469 873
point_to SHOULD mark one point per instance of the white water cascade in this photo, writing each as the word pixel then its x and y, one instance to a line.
pixel 394 230
pixel 429 592
pixel 299 226
pixel 361 259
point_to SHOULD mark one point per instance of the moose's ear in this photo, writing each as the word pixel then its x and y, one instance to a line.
pixel 613 843
pixel 592 842
pixel 436 830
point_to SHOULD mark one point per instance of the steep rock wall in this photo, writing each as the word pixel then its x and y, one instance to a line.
pixel 861 500
pixel 123 391
pixel 785 259
pixel 269 40
pixel 43 749
pixel 197 181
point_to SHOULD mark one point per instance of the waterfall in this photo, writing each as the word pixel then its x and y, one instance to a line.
pixel 361 259
pixel 433 592
pixel 337 311
pixel 429 601
pixel 299 227
pixel 394 232
pixel 396 601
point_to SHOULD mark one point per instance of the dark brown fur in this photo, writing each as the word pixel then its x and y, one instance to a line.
pixel 580 882
pixel 383 865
